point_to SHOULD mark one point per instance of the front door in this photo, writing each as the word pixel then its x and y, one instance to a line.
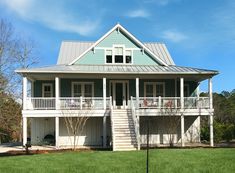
pixel 119 92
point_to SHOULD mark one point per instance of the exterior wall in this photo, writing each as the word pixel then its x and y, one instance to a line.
pixel 91 135
pixel 40 127
pixel 98 57
pixel 38 87
pixel 159 132
pixel 66 87
pixel 192 87
pixel 117 38
pixel 169 86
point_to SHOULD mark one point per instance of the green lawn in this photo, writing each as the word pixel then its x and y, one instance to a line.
pixel 161 160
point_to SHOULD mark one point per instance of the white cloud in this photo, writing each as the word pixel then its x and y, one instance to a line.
pixel 53 15
pixel 174 36
pixel 140 13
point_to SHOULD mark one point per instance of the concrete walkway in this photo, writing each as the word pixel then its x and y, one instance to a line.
pixel 18 147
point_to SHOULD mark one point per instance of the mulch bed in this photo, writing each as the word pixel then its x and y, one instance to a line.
pixel 33 152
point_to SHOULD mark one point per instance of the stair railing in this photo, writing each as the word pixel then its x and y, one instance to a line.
pixel 136 123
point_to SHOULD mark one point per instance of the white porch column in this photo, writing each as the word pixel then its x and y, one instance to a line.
pixel 104 131
pixel 24 130
pixel 211 107
pixel 57 131
pixel 25 82
pixel 210 93
pixel 182 130
pixel 182 93
pixel 104 93
pixel 137 92
pixel 57 92
pixel 211 132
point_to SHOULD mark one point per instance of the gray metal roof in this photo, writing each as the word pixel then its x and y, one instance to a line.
pixel 118 69
pixel 70 50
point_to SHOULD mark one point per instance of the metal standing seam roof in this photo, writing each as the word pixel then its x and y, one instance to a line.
pixel 118 69
pixel 70 50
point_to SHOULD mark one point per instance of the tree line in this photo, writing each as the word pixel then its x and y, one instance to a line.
pixel 224 117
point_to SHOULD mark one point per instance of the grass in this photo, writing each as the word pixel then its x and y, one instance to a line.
pixel 161 160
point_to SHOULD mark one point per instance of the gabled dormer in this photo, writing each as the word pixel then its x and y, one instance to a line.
pixel 117 46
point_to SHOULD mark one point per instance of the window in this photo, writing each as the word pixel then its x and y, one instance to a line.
pixel 84 89
pixel 186 90
pixel 149 90
pixel 118 54
pixel 159 89
pixel 47 90
pixel 154 89
pixel 128 56
pixel 109 56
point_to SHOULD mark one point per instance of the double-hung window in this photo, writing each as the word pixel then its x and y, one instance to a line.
pixel 118 55
pixel 109 56
pixel 154 89
pixel 47 90
pixel 128 56
pixel 84 89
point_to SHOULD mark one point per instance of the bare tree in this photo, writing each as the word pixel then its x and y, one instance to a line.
pixel 170 112
pixel 15 52
pixel 75 123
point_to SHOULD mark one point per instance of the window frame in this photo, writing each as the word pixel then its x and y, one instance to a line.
pixel 154 84
pixel 113 54
pixel 82 88
pixel 43 89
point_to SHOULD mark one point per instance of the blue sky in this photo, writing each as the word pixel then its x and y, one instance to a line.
pixel 197 33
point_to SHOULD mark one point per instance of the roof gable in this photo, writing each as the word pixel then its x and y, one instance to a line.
pixel 129 36
pixel 69 50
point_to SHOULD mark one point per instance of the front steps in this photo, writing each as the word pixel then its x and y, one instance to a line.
pixel 124 137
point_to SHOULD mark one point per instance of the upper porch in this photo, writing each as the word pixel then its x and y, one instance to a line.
pixel 103 91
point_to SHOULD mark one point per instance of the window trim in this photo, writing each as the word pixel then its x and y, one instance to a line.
pixel 154 88
pixel 43 89
pixel 113 54
pixel 82 88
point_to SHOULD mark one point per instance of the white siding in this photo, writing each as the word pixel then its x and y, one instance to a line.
pixel 159 133
pixel 40 127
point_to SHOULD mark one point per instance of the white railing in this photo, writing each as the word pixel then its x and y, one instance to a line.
pixel 73 103
pixel 173 102
pixel 40 103
pixel 135 118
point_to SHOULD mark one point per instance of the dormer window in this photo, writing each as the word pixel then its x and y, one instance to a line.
pixel 128 57
pixel 118 56
pixel 109 57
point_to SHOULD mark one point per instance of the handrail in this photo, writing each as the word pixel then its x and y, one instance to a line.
pixel 135 118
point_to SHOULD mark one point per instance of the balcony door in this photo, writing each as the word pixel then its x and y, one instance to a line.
pixel 119 90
